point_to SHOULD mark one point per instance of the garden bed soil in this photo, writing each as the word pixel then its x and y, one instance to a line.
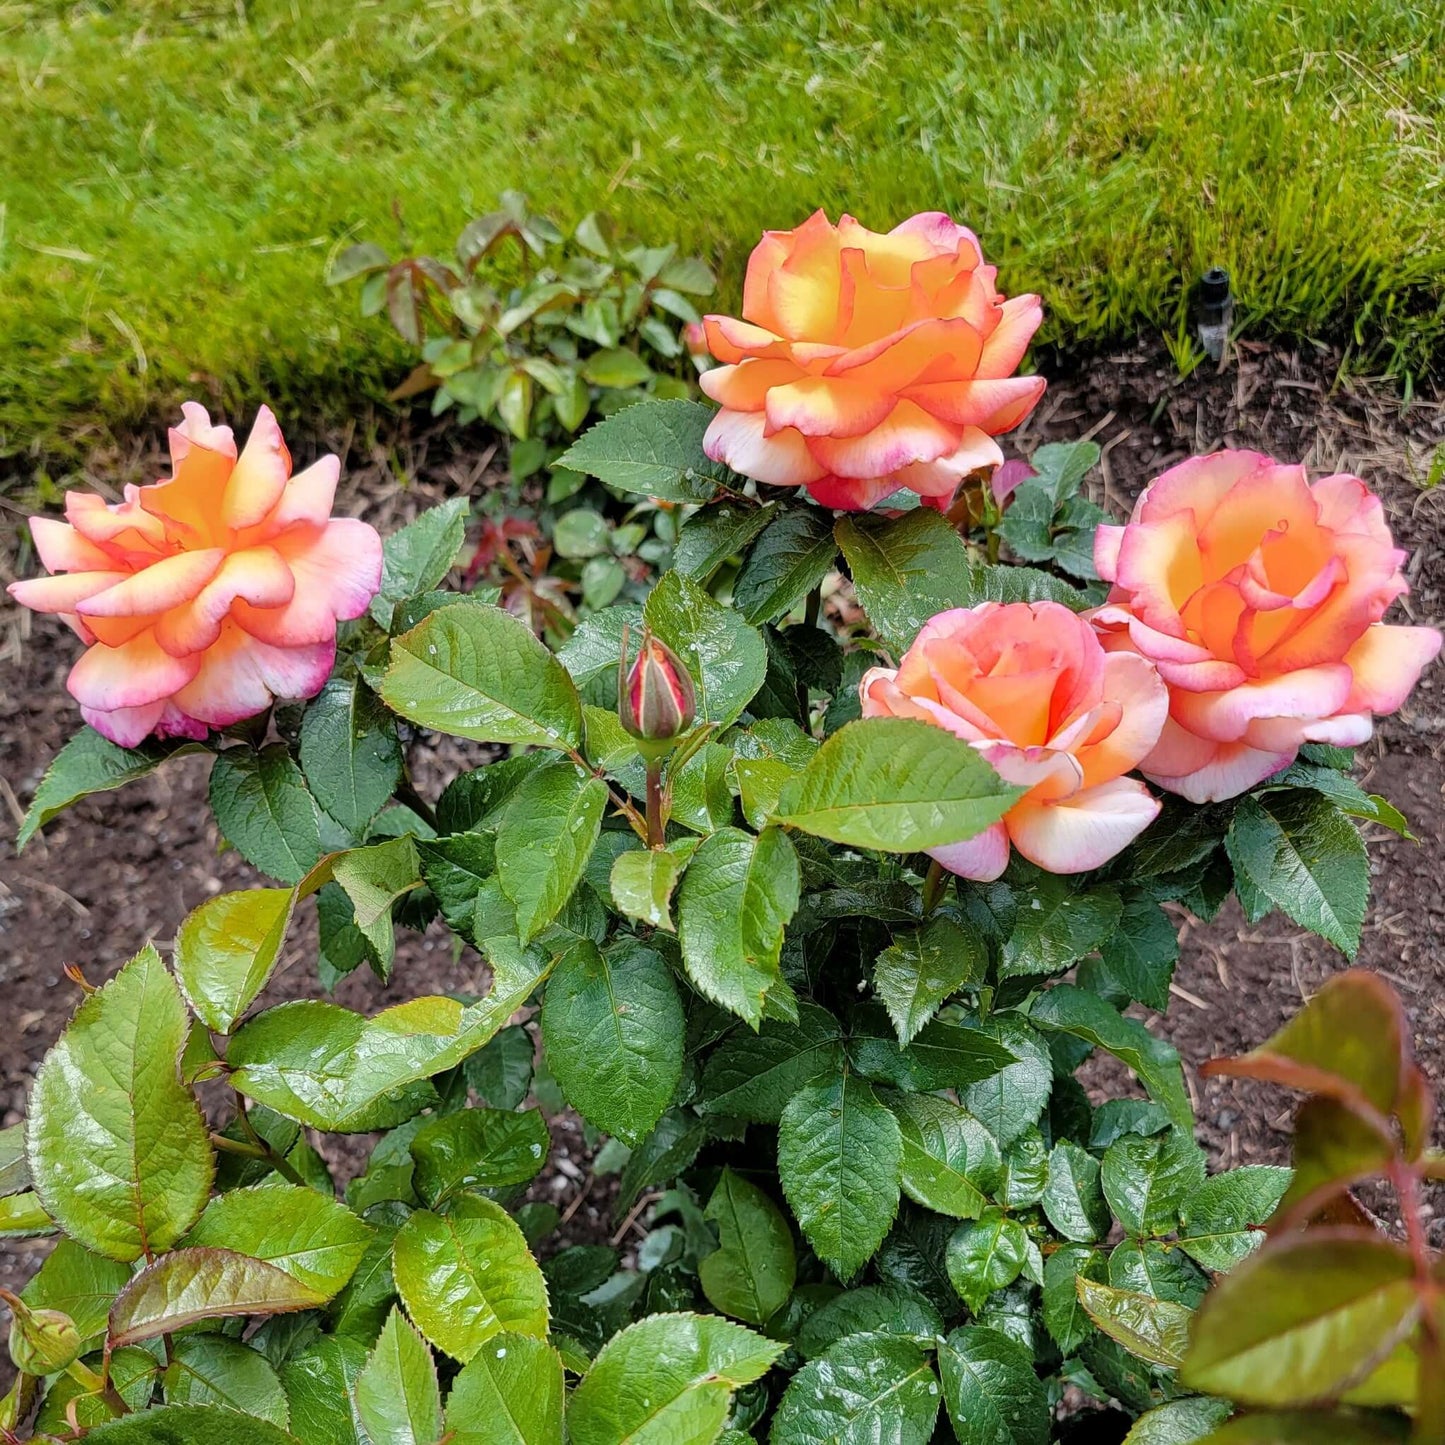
pixel 127 867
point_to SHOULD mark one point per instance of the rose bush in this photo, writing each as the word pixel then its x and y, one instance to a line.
pixel 1259 596
pixel 837 1081
pixel 205 597
pixel 865 363
pixel 1030 687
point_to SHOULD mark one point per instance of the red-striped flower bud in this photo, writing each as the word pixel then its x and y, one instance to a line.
pixel 655 697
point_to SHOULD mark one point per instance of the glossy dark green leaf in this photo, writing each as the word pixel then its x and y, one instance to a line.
pixel 669 1378
pixel 1305 857
pixel 89 764
pixel 1058 926
pixel 1152 1267
pixel 213 1370
pixel 501 1072
pixel 1064 1317
pixel 1180 1422
pixel 546 835
pixel 750 1275
pixel 1067 1009
pixel 984 1255
pixel 839 1158
pixel 510 1393
pixel 350 752
pixel 415 558
pixel 1073 1199
pixel 872 1309
pixel 726 659
pixel 118 1148
pixel 922 967
pixel 478 1149
pixel 945 1054
pixel 191 1425
pixel 1221 1222
pixel 992 1393
pixel 478 672
pixel 613 1028
pixel 264 809
pixel 753 1075
pixel 1010 1100
pixel 950 1162
pixel 398 1400
pixel 1148 1180
pixel 653 449
pixel 1139 953
pixel 897 785
pixel 468 1275
pixel 318 1382
pixel 736 897
pixel 786 562
pixel 717 533
pixel 865 1388
pixel 905 570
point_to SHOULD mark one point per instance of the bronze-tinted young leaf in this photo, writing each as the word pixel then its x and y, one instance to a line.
pixel 1303 1319
pixel 1153 1329
pixel 1350 1041
pixel 189 1285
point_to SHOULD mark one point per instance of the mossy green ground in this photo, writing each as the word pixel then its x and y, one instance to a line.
pixel 175 175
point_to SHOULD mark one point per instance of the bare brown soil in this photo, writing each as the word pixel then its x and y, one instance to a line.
pixel 127 867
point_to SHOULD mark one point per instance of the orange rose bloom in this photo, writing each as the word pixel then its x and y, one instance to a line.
pixel 866 363
pixel 1259 597
pixel 1030 687
pixel 204 597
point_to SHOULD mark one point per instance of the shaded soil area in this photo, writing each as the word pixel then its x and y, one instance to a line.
pixel 127 867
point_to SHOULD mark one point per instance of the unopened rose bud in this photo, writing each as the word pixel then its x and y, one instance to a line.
pixel 655 697
pixel 42 1342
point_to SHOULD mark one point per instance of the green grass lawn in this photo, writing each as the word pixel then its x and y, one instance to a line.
pixel 174 176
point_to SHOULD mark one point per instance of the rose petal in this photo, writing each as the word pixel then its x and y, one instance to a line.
pixel 908 435
pixel 739 440
pixel 63 593
pixel 164 584
pixel 240 676
pixel 259 576
pixel 132 675
pixel 1083 831
pixel 1312 692
pixel 62 549
pixel 337 573
pixel 258 480
pixel 1386 663
pixel 981 858
pixel 1019 318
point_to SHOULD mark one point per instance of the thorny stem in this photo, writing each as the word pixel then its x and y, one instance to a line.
pixel 654 803
pixel 811 610
pixel 619 802
pixel 407 794
pixel 280 1165
pixel 1430 1403
pixel 933 885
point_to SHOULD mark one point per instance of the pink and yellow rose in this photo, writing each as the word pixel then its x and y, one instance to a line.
pixel 204 597
pixel 867 362
pixel 1030 686
pixel 1259 597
